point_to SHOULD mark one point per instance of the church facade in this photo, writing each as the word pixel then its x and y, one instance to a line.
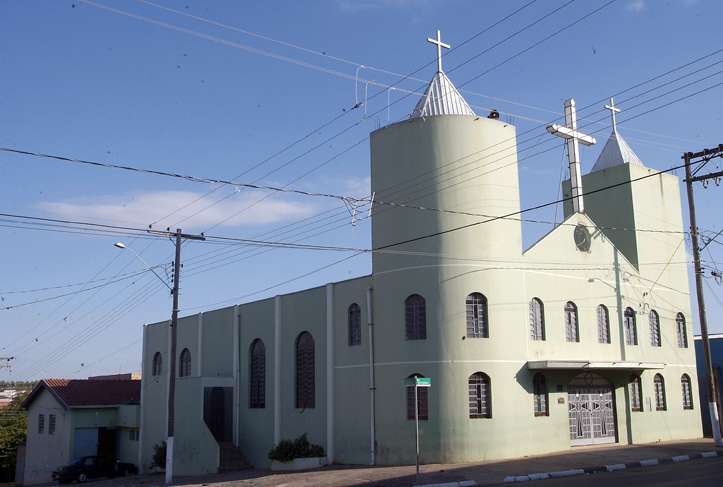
pixel 582 338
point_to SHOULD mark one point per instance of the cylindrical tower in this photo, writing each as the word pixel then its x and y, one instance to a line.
pixel 459 167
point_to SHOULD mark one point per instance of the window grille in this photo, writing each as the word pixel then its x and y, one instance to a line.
pixel 305 373
pixel 539 386
pixel 184 365
pixel 636 394
pixel 572 331
pixel 157 364
pixel 659 384
pixel 51 424
pixel 354 324
pixel 41 423
pixel 415 317
pixel 477 317
pixel 422 400
pixel 655 339
pixel 480 396
pixel 257 375
pixel 631 331
pixel 537 319
pixel 682 332
pixel 687 392
pixel 603 324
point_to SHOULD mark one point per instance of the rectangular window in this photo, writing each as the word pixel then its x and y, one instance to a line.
pixel 422 401
pixel 51 424
pixel 133 435
pixel 41 423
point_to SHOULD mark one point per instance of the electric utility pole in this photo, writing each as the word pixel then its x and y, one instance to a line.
pixel 702 158
pixel 180 236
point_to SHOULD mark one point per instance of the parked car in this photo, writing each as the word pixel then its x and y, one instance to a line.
pixel 89 468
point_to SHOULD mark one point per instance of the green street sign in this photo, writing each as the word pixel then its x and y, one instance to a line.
pixel 419 381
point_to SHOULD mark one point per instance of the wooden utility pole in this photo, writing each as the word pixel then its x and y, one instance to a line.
pixel 180 236
pixel 703 157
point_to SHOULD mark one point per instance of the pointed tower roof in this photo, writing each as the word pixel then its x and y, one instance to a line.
pixel 441 97
pixel 616 151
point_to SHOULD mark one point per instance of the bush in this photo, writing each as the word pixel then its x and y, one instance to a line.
pixel 287 450
pixel 159 455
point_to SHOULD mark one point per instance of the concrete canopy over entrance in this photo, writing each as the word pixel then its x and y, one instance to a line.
pixel 591 365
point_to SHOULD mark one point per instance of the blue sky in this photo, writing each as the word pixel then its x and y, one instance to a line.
pixel 193 97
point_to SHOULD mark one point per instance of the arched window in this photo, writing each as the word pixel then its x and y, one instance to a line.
pixel 631 330
pixel 257 374
pixel 305 373
pixel 572 331
pixel 184 363
pixel 682 333
pixel 655 339
pixel 422 401
pixel 687 392
pixel 659 384
pixel 354 319
pixel 636 394
pixel 415 317
pixel 477 318
pixel 539 387
pixel 537 319
pixel 603 324
pixel 480 396
pixel 157 364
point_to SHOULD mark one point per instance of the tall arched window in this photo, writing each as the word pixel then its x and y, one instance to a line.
pixel 257 374
pixel 636 394
pixel 572 330
pixel 680 328
pixel 480 396
pixel 539 388
pixel 603 324
pixel 631 330
pixel 422 401
pixel 305 373
pixel 157 364
pixel 477 318
pixel 655 339
pixel 687 392
pixel 415 317
pixel 537 319
pixel 659 384
pixel 354 322
pixel 184 363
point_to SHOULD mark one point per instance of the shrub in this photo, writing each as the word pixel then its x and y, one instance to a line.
pixel 159 455
pixel 287 450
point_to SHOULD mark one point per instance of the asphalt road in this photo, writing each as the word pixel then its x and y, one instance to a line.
pixel 696 473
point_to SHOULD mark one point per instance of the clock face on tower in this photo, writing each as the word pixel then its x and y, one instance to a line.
pixel 583 238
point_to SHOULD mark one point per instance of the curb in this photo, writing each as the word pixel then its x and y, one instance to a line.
pixel 607 468
pixel 462 483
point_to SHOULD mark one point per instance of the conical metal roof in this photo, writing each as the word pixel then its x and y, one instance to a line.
pixel 615 153
pixel 441 98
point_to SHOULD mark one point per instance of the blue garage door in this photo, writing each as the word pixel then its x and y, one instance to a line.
pixel 85 442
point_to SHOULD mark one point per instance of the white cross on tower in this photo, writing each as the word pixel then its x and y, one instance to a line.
pixel 574 138
pixel 613 109
pixel 440 45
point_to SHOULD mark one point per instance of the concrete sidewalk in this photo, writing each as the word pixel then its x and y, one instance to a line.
pixel 487 473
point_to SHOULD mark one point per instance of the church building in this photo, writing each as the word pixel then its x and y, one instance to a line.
pixel 582 338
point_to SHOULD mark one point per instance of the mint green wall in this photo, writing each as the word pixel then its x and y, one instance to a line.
pixel 256 426
pixel 154 390
pixel 44 452
pixel 218 343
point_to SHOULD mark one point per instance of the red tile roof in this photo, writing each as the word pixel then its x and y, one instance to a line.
pixel 79 392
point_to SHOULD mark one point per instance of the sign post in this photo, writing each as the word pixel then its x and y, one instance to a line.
pixel 417 382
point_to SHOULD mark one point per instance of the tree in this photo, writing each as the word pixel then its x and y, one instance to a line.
pixel 13 426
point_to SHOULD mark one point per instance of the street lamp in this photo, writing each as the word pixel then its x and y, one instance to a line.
pixel 122 246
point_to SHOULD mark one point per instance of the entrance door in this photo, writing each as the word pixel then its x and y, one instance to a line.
pixel 591 410
pixel 218 412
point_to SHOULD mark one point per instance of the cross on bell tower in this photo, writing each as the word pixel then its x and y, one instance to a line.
pixel 438 42
pixel 613 109
pixel 574 138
